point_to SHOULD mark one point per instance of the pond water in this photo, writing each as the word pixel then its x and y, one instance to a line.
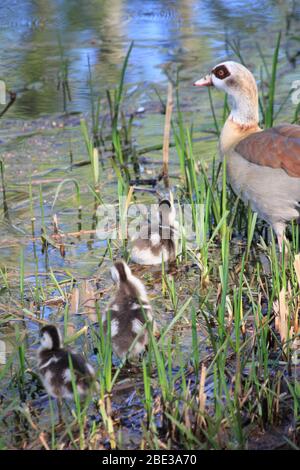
pixel 187 33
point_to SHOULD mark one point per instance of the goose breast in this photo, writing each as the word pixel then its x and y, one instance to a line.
pixel 272 193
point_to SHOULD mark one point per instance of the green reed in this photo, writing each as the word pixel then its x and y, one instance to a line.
pixel 63 81
pixel 95 108
pixel 4 198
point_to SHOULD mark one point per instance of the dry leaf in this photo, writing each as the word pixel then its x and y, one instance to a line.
pixel 297 267
pixel 283 318
pixel 74 302
pixel 83 300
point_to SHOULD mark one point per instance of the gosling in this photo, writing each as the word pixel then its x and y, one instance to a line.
pixel 54 367
pixel 161 246
pixel 129 312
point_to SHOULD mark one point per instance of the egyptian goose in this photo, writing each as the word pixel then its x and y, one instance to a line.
pixel 263 165
pixel 129 312
pixel 54 367
pixel 159 242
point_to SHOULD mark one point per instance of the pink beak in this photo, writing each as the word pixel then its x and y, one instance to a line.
pixel 205 81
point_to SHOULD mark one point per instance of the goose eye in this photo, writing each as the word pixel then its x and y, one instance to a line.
pixel 221 72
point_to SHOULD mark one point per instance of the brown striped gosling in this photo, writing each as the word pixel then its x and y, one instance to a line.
pixel 129 312
pixel 54 367
pixel 161 244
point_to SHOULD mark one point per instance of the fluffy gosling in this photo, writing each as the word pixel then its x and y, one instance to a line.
pixel 130 310
pixel 161 246
pixel 54 367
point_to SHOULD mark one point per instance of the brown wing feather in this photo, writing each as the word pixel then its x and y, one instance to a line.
pixel 278 147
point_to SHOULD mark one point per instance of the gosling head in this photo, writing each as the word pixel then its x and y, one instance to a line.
pixel 50 338
pixel 167 212
pixel 120 272
pixel 124 279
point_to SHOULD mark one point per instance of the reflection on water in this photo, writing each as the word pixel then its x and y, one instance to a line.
pixel 186 32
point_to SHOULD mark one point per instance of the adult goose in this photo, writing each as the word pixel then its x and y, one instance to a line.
pixel 263 165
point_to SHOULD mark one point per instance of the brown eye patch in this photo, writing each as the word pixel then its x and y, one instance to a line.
pixel 221 72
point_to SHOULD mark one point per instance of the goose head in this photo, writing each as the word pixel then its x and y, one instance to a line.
pixel 238 82
pixel 50 338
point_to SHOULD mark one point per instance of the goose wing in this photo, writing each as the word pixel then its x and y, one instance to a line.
pixel 278 147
